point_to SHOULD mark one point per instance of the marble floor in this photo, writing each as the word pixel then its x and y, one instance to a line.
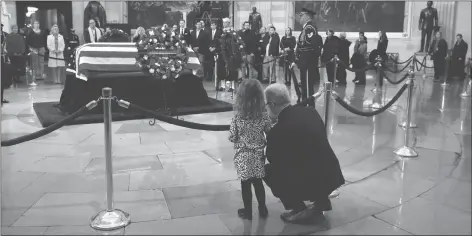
pixel 174 180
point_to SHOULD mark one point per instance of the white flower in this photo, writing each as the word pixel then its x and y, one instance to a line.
pixel 141 42
pixel 145 57
pixel 172 69
pixel 154 40
pixel 183 41
pixel 177 44
pixel 151 32
pixel 164 76
pixel 177 76
pixel 157 64
pixel 151 71
pixel 241 46
pixel 164 35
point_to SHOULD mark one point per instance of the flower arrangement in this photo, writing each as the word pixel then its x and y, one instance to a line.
pixel 161 53
pixel 114 35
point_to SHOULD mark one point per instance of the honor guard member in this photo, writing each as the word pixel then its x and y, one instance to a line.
pixel 308 51
pixel 72 44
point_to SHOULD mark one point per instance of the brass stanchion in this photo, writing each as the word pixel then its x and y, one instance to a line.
pixel 109 219
pixel 468 80
pixel 413 104
pixel 378 84
pixel 407 151
pixel 336 61
pixel 446 71
pixel 328 92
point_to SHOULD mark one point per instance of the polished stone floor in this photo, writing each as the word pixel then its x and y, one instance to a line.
pixel 174 180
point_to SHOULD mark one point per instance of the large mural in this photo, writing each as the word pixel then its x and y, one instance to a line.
pixel 152 13
pixel 355 16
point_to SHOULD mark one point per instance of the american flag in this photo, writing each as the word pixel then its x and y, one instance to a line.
pixel 102 58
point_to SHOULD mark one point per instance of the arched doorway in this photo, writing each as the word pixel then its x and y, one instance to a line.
pixel 48 12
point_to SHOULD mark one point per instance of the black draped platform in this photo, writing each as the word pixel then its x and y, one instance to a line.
pixel 184 96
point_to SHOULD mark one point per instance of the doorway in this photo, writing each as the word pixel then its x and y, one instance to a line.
pixel 62 7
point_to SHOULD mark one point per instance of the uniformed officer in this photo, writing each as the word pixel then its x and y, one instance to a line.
pixel 72 44
pixel 308 51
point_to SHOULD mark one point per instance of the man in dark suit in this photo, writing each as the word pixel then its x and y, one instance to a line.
pixel 459 52
pixel 255 20
pixel 330 49
pixel 214 48
pixel 428 21
pixel 250 41
pixel 271 50
pixel 307 53
pixel 343 54
pixel 184 33
pixel 302 165
pixel 438 52
pixel 6 68
pixel 200 42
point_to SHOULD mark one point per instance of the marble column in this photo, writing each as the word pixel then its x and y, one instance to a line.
pixel 265 8
pixel 446 16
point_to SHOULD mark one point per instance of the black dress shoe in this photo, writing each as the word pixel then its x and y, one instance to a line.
pixel 321 208
pixel 355 80
pixel 263 211
pixel 244 214
pixel 341 84
pixel 358 83
pixel 5 101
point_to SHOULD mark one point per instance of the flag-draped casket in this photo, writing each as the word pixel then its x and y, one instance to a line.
pixel 95 59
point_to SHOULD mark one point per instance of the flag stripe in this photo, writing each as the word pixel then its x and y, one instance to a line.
pixel 107 54
pixel 110 68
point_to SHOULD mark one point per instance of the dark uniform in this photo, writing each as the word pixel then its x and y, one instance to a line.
pixel 255 20
pixel 308 52
pixel 72 44
pixel 230 58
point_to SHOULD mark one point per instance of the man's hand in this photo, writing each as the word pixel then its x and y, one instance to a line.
pixel 287 49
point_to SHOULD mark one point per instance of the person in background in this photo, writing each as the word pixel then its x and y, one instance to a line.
pixel 175 29
pixel 214 49
pixel 138 34
pixel 358 59
pixel 15 45
pixel 200 43
pixel 250 40
pixel 381 49
pixel 72 43
pixel 247 132
pixel 438 52
pixel 5 69
pixel 56 46
pixel 459 52
pixel 302 165
pixel 427 23
pixel 330 49
pixel 184 33
pixel 343 54
pixel 259 56
pixel 36 41
pixel 271 52
pixel 287 45
pixel 92 33
pixel 255 20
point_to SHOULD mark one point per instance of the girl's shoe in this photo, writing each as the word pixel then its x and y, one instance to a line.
pixel 263 211
pixel 244 214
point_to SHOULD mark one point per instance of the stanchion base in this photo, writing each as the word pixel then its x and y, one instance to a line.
pixel 334 194
pixel 412 125
pixel 444 85
pixel 376 90
pixel 375 106
pixel 465 95
pixel 405 152
pixel 110 220
pixel 33 84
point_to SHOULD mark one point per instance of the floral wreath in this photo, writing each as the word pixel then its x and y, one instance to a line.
pixel 114 35
pixel 161 53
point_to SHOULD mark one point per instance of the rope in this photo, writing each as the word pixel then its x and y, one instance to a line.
pixel 395 82
pixel 175 121
pixel 424 64
pixel 399 63
pixel 372 113
pixel 398 71
pixel 367 67
pixel 47 130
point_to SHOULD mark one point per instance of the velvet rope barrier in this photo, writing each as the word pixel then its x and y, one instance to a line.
pixel 51 128
pixel 395 82
pixel 398 71
pixel 399 63
pixel 372 113
pixel 423 64
pixel 367 67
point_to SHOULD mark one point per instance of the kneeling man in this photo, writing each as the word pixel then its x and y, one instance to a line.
pixel 302 165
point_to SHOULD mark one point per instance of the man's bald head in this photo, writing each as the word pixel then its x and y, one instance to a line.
pixel 277 94
pixel 342 35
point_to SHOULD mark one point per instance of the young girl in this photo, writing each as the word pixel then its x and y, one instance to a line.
pixel 247 133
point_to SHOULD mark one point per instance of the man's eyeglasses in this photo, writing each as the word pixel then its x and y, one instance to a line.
pixel 270 103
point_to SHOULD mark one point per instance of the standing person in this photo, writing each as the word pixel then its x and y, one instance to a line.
pixel 200 44
pixel 458 58
pixel 138 34
pixel 438 52
pixel 92 34
pixel 255 20
pixel 56 46
pixel 259 52
pixel 358 59
pixel 308 51
pixel 330 49
pixel 15 45
pixel 287 45
pixel 381 50
pixel 302 165
pixel 36 41
pixel 271 52
pixel 427 22
pixel 230 59
pixel 343 54
pixel 250 40
pixel 184 33
pixel 247 132
pixel 214 48
pixel 5 70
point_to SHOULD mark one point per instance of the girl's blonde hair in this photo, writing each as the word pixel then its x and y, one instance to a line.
pixel 139 29
pixel 53 27
pixel 250 102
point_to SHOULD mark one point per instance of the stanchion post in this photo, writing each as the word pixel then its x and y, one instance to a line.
pixel 446 71
pixel 467 81
pixel 412 104
pixel 407 151
pixel 109 219
pixel 379 83
pixel 328 90
pixel 336 61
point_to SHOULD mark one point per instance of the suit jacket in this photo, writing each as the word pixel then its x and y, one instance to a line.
pixel 428 19
pixel 309 45
pixel 250 40
pixel 460 51
pixel 87 35
pixel 302 164
pixel 343 53
pixel 202 42
pixel 215 41
pixel 330 48
pixel 438 49
pixel 187 36
pixel 274 49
